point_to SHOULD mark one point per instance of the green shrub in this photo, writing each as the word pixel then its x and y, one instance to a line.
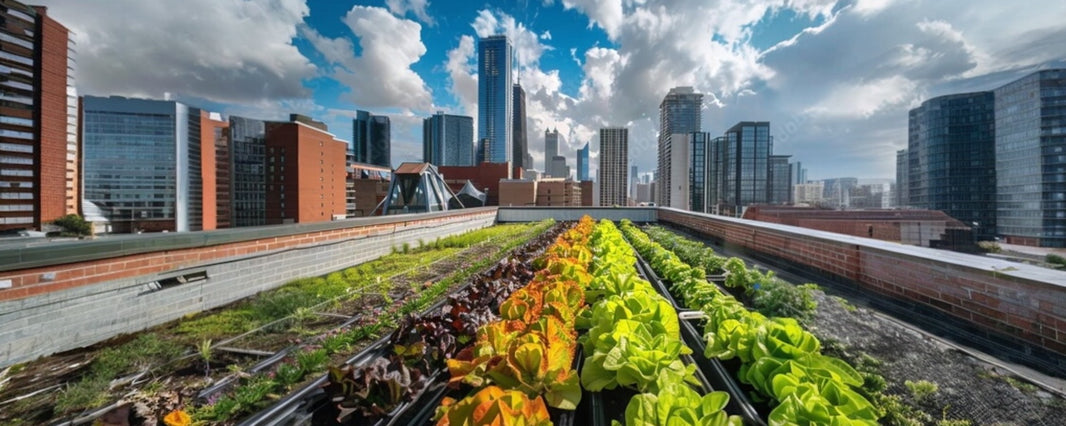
pixel 921 390
pixel 989 246
pixel 74 224
pixel 1055 260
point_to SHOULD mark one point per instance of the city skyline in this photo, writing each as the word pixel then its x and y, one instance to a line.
pixel 583 68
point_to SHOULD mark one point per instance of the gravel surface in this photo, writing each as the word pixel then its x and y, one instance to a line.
pixel 967 387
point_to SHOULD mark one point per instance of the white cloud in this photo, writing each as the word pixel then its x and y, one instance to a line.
pixel 606 14
pixel 241 52
pixel 462 72
pixel 389 46
pixel 546 35
pixel 417 7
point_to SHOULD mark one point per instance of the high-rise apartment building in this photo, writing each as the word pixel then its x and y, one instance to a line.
pixel 371 139
pixel 495 98
pixel 614 159
pixel 144 164
pixel 39 157
pixel 952 157
pixel 1030 160
pixel 305 173
pixel 679 113
pixel 448 140
pixel 247 139
pixel 583 163
pixel 518 128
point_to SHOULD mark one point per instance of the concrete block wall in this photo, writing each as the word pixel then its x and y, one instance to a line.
pixel 87 302
pixel 1010 302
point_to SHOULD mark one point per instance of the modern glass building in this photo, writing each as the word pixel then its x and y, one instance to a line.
pixel 952 160
pixel 39 158
pixel 371 139
pixel 614 159
pixel 248 171
pixel 142 163
pixel 448 140
pixel 1030 159
pixel 679 113
pixel 745 166
pixel 780 179
pixel 495 101
pixel 699 145
pixel 902 166
pixel 518 128
pixel 583 163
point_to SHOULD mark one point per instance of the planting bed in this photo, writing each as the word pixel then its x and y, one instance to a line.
pixel 231 354
pixel 947 385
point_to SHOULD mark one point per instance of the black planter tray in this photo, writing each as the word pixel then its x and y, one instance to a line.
pixel 711 370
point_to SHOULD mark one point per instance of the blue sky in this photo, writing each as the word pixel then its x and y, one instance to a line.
pixel 834 78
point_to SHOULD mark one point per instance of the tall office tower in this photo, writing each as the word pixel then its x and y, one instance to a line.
pixel 518 128
pixel 551 148
pixel 952 158
pixel 780 180
pixel 494 97
pixel 798 172
pixel 902 183
pixel 305 174
pixel 1030 155
pixel 745 166
pixel 164 188
pixel 633 180
pixel 371 139
pixel 248 170
pixel 448 140
pixel 613 173
pixel 693 187
pixel 39 158
pixel 679 113
pixel 583 163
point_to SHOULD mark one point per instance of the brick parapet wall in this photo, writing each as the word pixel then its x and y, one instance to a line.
pixel 1008 299
pixel 90 301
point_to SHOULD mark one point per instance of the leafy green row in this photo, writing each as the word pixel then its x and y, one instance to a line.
pixel 779 358
pixel 761 290
pixel 634 341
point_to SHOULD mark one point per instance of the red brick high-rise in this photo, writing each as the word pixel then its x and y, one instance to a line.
pixel 305 172
pixel 39 157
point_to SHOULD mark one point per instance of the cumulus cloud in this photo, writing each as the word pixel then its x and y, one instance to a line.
pixel 417 7
pixel 389 45
pixel 462 72
pixel 241 52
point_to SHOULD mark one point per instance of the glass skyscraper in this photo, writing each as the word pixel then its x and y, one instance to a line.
pixel 371 139
pixel 583 163
pixel 951 152
pixel 448 140
pixel 495 98
pixel 745 165
pixel 780 179
pixel 1030 159
pixel 142 162
pixel 679 113
pixel 520 145
pixel 248 169
pixel 699 142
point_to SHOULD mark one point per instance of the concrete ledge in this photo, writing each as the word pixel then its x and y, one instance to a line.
pixel 72 312
pixel 37 254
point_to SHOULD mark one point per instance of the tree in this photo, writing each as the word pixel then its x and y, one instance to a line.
pixel 74 224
